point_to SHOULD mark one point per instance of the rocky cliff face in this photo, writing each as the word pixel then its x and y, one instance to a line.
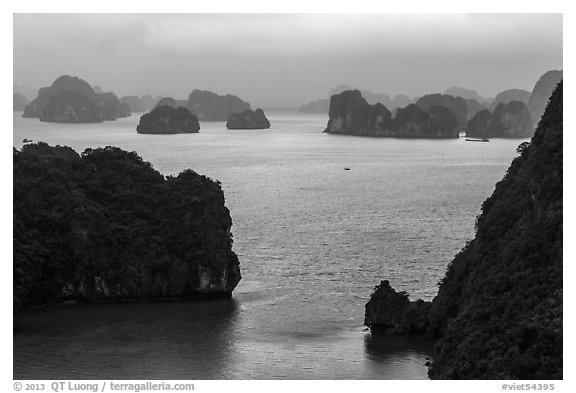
pixel 171 102
pixel 351 114
pixel 511 120
pixel 498 312
pixel 54 103
pixel 473 108
pixel 456 104
pixel 112 108
pixel 370 97
pixel 401 101
pixel 391 310
pixel 467 94
pixel 63 83
pixel 213 107
pixel 541 93
pixel 168 120
pixel 248 120
pixel 105 226
pixel 506 96
pixel 69 106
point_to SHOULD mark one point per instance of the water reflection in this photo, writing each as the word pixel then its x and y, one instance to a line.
pixel 402 357
pixel 186 340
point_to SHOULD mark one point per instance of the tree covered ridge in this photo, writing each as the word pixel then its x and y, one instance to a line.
pixel 498 313
pixel 104 225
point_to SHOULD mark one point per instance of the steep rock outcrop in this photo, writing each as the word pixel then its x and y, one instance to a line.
pixel 473 107
pixel 391 310
pixel 168 120
pixel 351 114
pixel 506 96
pixel 112 107
pixel 171 102
pixel 105 226
pixel 455 104
pixel 511 120
pixel 401 101
pixel 541 93
pixel 63 83
pixel 370 97
pixel 54 103
pixel 477 126
pixel 498 312
pixel 467 94
pixel 70 106
pixel 213 107
pixel 248 120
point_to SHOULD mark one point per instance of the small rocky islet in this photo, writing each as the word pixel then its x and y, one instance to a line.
pixel 248 120
pixel 167 119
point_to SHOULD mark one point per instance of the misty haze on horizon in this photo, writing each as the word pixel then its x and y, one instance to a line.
pixel 287 60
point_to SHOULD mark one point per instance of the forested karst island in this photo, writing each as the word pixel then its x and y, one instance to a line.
pixel 105 226
pixel 72 100
pixel 248 120
pixel 456 104
pixel 510 120
pixel 542 90
pixel 168 119
pixel 498 312
pixel 213 107
pixel 351 114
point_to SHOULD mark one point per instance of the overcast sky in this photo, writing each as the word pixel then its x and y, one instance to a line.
pixel 292 57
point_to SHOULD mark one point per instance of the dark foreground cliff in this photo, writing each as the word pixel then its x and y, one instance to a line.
pixel 498 312
pixel 106 226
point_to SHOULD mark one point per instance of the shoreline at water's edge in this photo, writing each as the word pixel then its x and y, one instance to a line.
pixel 77 301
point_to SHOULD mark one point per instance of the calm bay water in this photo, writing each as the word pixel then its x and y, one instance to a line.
pixel 312 238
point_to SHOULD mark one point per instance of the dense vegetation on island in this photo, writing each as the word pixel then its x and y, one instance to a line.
pixel 168 120
pixel 351 114
pixel 498 312
pixel 542 90
pixel 72 100
pixel 169 101
pixel 456 104
pixel 213 107
pixel 323 105
pixel 248 120
pixel 104 225
pixel 467 94
pixel 506 96
pixel 510 120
